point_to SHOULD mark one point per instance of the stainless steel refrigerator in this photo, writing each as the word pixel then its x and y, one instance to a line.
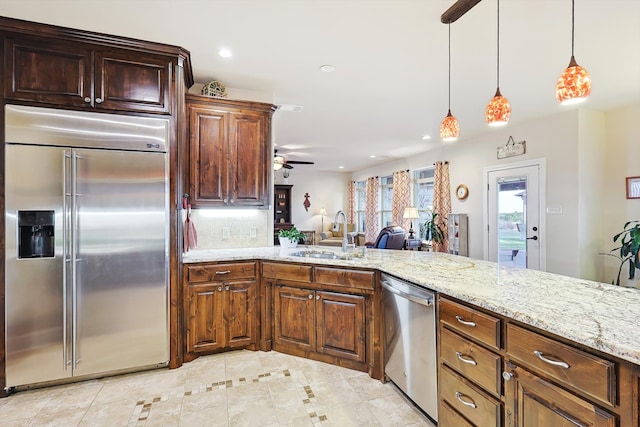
pixel 87 244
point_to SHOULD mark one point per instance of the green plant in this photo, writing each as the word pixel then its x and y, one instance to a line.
pixel 293 234
pixel 628 251
pixel 432 229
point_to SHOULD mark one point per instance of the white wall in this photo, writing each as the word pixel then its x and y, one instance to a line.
pixel 622 149
pixel 571 142
pixel 326 190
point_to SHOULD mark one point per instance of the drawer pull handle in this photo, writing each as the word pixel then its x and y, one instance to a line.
pixel 223 272
pixel 465 322
pixel 466 359
pixel 541 356
pixel 470 403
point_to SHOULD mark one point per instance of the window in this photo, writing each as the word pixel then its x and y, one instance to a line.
pixel 423 196
pixel 361 200
pixel 386 196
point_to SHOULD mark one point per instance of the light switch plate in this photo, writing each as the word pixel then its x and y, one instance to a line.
pixel 252 232
pixel 226 232
pixel 554 210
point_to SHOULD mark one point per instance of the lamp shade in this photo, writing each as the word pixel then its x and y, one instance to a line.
pixel 574 85
pixel 278 163
pixel 449 128
pixel 411 213
pixel 323 211
pixel 498 110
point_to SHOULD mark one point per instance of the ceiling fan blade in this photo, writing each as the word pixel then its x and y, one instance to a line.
pixel 300 162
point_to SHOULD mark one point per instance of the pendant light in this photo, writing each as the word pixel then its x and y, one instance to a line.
pixel 574 85
pixel 498 110
pixel 449 128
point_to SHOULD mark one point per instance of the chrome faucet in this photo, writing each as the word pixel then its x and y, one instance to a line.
pixel 345 242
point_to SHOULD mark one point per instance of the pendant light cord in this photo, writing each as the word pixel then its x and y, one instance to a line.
pixel 573 23
pixel 498 49
pixel 449 66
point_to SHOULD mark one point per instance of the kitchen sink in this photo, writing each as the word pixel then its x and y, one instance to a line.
pixel 326 254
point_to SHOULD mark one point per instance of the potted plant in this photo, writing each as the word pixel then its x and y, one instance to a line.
pixel 290 238
pixel 432 229
pixel 628 250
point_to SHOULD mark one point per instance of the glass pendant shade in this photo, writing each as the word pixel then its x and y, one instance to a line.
pixel 449 128
pixel 574 85
pixel 498 110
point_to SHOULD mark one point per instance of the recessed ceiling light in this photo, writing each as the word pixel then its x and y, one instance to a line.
pixel 225 53
pixel 327 68
pixel 340 167
pixel 426 137
pixel 372 156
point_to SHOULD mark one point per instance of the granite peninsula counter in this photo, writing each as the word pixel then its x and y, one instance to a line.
pixel 597 315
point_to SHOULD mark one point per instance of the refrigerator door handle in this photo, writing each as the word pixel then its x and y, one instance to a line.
pixel 67 273
pixel 74 255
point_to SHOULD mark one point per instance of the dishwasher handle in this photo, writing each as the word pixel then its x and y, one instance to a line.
pixel 419 300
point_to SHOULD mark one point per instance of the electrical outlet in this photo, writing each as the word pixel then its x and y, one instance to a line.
pixel 226 232
pixel 252 232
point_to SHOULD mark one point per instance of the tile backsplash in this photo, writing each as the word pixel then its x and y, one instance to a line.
pixel 212 226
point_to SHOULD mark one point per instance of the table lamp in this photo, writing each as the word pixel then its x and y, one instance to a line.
pixel 323 212
pixel 411 213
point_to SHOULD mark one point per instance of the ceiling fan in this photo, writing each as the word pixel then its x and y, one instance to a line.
pixel 279 162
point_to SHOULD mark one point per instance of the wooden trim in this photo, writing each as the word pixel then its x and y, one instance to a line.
pixel 456 10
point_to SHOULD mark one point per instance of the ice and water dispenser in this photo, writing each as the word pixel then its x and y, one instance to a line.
pixel 36 235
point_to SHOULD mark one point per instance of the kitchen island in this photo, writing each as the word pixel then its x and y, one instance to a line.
pixel 597 315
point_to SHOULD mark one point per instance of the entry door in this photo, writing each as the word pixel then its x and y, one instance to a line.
pixel 514 227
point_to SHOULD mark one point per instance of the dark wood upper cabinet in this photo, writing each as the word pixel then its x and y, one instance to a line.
pixel 86 76
pixel 229 152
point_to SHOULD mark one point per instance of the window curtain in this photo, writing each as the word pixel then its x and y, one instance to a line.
pixel 351 213
pixel 371 209
pixel 401 198
pixel 442 201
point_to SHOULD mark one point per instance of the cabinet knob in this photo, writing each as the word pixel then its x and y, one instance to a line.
pixel 87 99
pixel 507 375
pixel 98 100
pixel 226 288
pixel 219 288
pixel 317 297
pixel 310 296
pixel 232 201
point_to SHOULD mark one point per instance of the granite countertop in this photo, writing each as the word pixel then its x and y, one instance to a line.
pixel 598 315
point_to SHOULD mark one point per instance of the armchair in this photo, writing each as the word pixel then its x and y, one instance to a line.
pixel 334 238
pixel 390 238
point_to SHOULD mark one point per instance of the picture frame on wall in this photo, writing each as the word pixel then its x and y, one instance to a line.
pixel 633 187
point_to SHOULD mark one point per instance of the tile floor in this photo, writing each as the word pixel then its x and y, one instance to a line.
pixel 240 388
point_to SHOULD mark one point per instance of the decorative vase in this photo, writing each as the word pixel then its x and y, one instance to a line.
pixel 285 243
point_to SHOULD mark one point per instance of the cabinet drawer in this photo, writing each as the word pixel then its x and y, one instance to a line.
pixel 477 407
pixel 470 322
pixel 474 362
pixel 350 278
pixel 299 273
pixel 447 416
pixel 588 374
pixel 221 272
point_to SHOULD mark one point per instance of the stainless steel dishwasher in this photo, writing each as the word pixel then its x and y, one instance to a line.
pixel 410 342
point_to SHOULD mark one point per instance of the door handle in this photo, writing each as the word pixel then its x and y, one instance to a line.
pixel 532 238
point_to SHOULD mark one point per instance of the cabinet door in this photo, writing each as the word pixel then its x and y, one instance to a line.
pixel 240 313
pixel 50 72
pixel 208 156
pixel 293 318
pixel 249 159
pixel 341 325
pixel 205 325
pixel 532 401
pixel 131 81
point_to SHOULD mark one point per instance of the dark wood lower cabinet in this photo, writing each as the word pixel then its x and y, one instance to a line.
pixel 308 321
pixel 221 316
pixel 531 402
